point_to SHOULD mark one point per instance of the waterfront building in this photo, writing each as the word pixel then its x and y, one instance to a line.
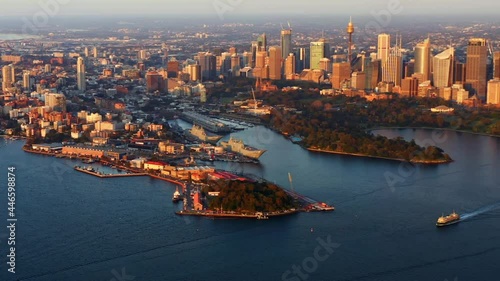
pixel 476 67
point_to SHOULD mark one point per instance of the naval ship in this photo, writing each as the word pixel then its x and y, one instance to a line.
pixel 237 145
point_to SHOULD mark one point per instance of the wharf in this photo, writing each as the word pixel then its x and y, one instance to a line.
pixel 101 175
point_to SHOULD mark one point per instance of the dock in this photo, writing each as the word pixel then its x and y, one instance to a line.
pixel 101 175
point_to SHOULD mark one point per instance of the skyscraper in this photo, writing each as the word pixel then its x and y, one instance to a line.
pixel 290 66
pixel 476 66
pixel 423 59
pixel 302 59
pixel 95 52
pixel 235 65
pixel 443 65
pixel 286 42
pixel 6 77
pixel 358 80
pixel 493 91
pixel 350 31
pixel 275 63
pixel 340 73
pixel 262 42
pixel 317 52
pixel 392 69
pixel 383 47
pixel 409 87
pixel 27 82
pixel 80 74
pixel 208 66
pixel 496 65
pixel 260 60
pixel 255 49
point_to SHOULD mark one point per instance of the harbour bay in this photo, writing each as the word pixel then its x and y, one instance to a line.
pixel 385 232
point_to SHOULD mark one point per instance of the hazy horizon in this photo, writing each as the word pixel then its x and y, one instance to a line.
pixel 216 8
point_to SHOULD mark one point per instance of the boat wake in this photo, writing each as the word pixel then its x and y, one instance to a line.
pixel 480 211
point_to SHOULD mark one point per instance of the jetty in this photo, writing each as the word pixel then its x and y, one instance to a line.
pixel 94 172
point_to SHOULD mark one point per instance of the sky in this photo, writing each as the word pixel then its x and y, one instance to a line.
pixel 222 8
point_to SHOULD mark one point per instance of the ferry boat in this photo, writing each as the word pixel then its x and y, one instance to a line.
pixel 177 196
pixel 237 145
pixel 447 220
pixel 199 133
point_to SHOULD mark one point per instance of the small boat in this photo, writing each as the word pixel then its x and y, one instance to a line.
pixel 177 196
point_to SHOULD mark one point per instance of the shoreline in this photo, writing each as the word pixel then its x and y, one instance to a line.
pixel 135 172
pixel 235 215
pixel 431 128
pixel 438 162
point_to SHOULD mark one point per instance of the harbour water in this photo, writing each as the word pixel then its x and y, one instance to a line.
pixel 72 226
pixel 12 36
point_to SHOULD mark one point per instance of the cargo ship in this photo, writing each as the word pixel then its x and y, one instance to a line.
pixel 447 220
pixel 197 132
pixel 237 145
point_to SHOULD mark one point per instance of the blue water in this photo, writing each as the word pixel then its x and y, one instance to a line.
pixel 73 226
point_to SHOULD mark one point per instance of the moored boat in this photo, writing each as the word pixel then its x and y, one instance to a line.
pixel 177 196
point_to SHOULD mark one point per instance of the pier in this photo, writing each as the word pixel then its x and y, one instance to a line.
pixel 101 175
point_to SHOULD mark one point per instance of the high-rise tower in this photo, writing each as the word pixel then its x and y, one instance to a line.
pixel 262 42
pixel 350 31
pixel 317 51
pixel 476 66
pixel 443 65
pixel 7 79
pixel 392 68
pixel 423 59
pixel 286 42
pixel 80 74
pixel 275 63
pixel 383 47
